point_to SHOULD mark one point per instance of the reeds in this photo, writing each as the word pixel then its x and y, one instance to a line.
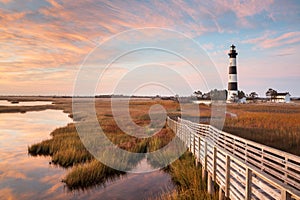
pixel 275 125
pixel 90 174
pixel 67 150
pixel 187 179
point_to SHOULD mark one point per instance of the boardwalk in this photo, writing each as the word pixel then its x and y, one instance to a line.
pixel 243 169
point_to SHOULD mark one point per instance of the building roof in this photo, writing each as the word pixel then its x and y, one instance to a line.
pixel 283 94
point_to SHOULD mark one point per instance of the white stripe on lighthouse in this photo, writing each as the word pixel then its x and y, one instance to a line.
pixel 232 61
pixel 232 78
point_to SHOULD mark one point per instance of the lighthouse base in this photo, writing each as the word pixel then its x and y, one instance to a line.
pixel 232 96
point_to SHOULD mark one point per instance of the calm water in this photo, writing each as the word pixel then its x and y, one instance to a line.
pixel 26 177
pixel 25 103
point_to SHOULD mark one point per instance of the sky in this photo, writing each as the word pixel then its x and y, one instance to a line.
pixel 45 43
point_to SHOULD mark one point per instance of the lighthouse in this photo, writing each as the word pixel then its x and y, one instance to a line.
pixel 232 77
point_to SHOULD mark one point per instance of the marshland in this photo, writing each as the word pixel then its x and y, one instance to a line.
pixel 276 125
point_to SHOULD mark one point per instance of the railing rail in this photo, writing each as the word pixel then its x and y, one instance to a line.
pixel 243 169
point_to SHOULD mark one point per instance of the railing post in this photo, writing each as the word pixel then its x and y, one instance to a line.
pixel 184 135
pixel 285 169
pixel 204 168
pixel 285 195
pixel 190 139
pixel 221 194
pixel 248 184
pixel 210 185
pixel 180 131
pixel 214 163
pixel 227 176
pixel 187 137
pixel 199 148
pixel 194 146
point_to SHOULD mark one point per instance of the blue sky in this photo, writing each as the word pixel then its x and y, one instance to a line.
pixel 44 42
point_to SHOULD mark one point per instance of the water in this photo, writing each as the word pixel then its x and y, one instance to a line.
pixel 25 103
pixel 26 177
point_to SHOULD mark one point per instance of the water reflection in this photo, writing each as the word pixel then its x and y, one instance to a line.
pixel 26 177
pixel 24 103
pixel 21 176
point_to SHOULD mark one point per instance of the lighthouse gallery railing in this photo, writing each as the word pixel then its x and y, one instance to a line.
pixel 243 169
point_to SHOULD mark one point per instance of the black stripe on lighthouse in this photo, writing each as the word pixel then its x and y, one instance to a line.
pixel 232 70
pixel 232 86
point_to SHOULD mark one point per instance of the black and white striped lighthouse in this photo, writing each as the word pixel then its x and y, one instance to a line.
pixel 232 78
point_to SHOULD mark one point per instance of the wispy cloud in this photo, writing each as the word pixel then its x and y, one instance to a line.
pixel 270 41
pixel 41 35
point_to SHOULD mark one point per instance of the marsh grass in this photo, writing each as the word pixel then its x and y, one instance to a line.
pixel 64 147
pixel 90 174
pixel 67 150
pixel 274 125
pixel 188 181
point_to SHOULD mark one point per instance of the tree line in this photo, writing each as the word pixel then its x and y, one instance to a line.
pixel 222 94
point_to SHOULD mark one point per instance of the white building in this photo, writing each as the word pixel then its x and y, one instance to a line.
pixel 283 97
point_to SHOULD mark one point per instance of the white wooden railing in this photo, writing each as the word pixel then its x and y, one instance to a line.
pixel 242 168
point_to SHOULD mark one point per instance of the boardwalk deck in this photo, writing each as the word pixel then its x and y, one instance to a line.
pixel 242 168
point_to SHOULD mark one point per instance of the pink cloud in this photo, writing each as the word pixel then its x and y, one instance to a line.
pixel 62 33
pixel 243 9
pixel 266 41
pixel 5 1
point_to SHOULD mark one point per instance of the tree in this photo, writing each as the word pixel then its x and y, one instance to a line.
pixel 217 94
pixel 253 96
pixel 198 94
pixel 241 94
pixel 235 98
pixel 271 93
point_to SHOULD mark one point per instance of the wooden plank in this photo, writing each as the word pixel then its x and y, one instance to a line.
pixel 221 164
pixel 240 169
pixel 269 167
pixel 258 193
pixel 254 163
pixel 264 186
pixel 227 176
pixel 274 159
pixel 274 166
pixel 293 166
pixel 236 189
pixel 254 156
pixel 240 178
pixel 254 151
pixel 293 183
pixel 293 176
pixel 221 154
pixel 248 184
pixel 220 178
pixel 274 173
